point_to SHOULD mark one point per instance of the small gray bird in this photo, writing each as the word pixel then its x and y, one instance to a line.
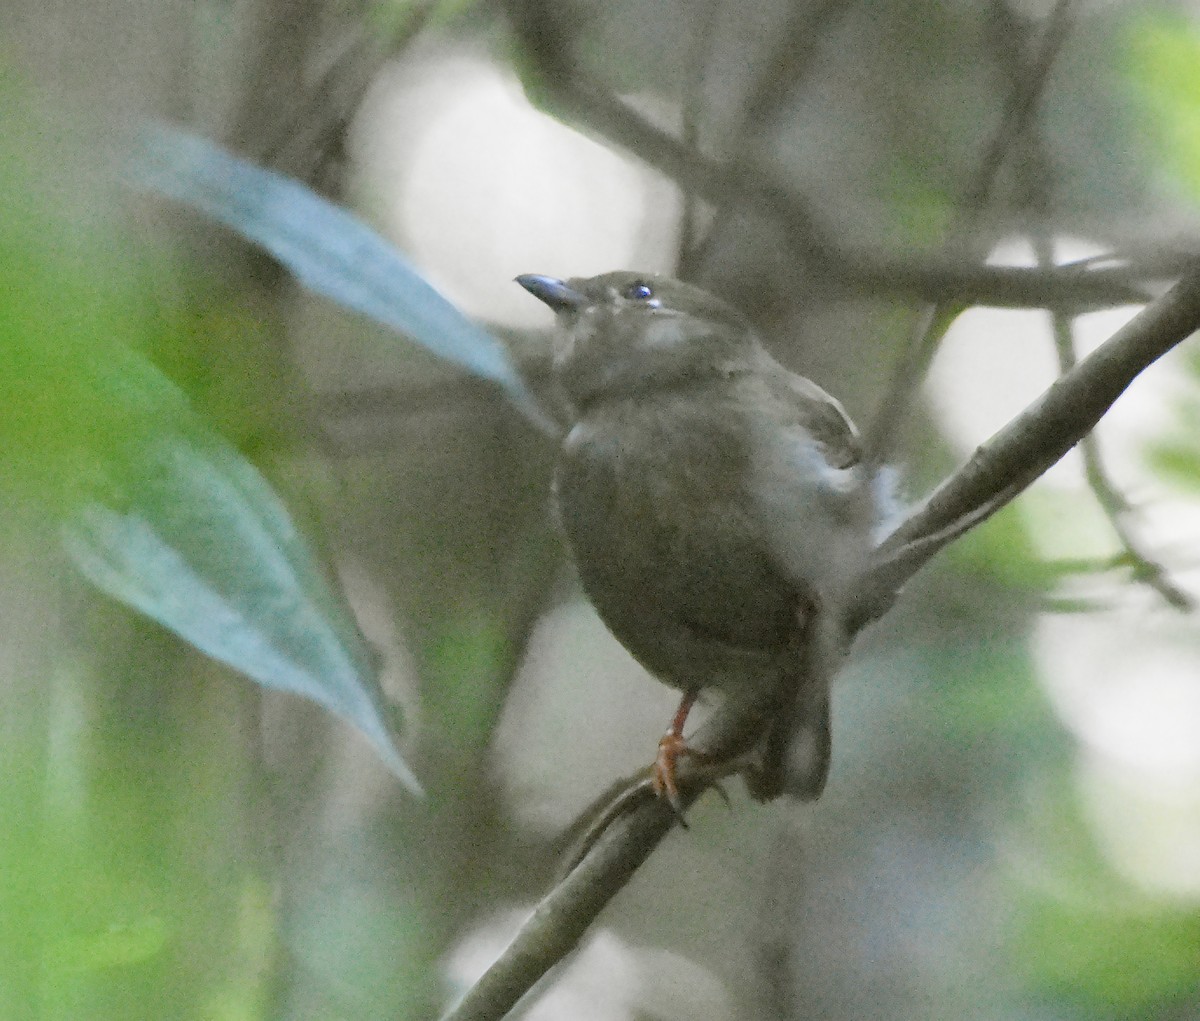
pixel 715 506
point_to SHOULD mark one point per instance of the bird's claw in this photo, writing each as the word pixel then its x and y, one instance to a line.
pixel 671 748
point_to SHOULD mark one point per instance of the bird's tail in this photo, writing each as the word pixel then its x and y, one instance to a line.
pixel 797 753
pixel 798 745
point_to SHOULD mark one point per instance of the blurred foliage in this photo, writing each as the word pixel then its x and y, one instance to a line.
pixel 126 891
pixel 99 912
pixel 1177 457
pixel 121 811
pixel 77 400
pixel 326 248
pixel 158 510
pixel 1163 65
pixel 1083 936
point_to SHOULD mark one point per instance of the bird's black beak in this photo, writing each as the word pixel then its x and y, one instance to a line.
pixel 554 293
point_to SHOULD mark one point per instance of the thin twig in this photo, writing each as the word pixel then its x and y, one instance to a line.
pixel 1031 443
pixel 780 75
pixel 1111 501
pixel 316 127
pixel 693 113
pixel 1036 191
pixel 1019 109
pixel 882 436
pixel 936 278
pixel 1028 87
pixel 779 919
pixel 789 63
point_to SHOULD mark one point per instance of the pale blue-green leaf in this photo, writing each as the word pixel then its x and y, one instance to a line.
pixel 329 250
pixel 199 542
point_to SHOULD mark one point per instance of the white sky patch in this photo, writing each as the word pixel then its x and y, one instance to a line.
pixel 477 186
pixel 1148 827
pixel 994 362
pixel 1125 681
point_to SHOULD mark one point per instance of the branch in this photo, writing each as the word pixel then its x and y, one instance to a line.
pixel 998 471
pixel 1112 502
pixel 564 915
pixel 1028 86
pixel 1020 108
pixel 789 63
pixel 736 185
pixel 692 114
pixel 1036 181
pixel 1030 444
pixel 780 75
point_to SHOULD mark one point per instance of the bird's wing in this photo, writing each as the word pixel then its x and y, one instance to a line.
pixel 800 402
pixel 817 512
pixel 811 493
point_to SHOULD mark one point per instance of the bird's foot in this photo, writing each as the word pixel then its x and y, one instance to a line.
pixel 664 774
pixel 671 748
pixel 631 793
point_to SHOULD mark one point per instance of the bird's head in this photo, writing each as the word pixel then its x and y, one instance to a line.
pixel 628 333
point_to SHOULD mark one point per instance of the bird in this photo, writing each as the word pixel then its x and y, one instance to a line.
pixel 716 505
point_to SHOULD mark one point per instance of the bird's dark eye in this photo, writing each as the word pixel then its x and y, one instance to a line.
pixel 639 291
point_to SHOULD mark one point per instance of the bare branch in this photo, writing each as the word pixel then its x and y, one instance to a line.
pixel 1019 112
pixel 1031 443
pixel 558 923
pixel 882 435
pixel 936 279
pixel 780 74
pixel 1112 502
pixel 790 62
pixel 563 916
pixel 1028 87
pixel 1036 182
pixel 693 111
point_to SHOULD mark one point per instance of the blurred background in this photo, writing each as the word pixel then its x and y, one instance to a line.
pixel 1012 825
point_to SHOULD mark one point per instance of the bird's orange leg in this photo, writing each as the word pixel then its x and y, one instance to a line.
pixel 670 748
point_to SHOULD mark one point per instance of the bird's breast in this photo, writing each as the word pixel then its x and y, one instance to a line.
pixel 654 504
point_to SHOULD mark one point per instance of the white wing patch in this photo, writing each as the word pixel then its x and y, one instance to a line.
pixel 819 520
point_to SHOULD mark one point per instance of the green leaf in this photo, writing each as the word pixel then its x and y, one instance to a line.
pixel 196 539
pixel 330 251
pixel 157 509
